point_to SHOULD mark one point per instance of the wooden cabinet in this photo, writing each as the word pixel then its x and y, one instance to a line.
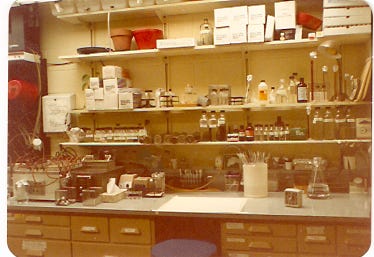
pixel 353 240
pixel 88 249
pixel 131 230
pixel 39 235
pixel 92 229
pixel 315 238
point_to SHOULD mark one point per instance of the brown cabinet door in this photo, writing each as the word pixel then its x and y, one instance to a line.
pixel 130 230
pixel 261 229
pixel 36 219
pixel 316 239
pixel 91 228
pixel 84 249
pixel 39 248
pixel 353 241
pixel 35 231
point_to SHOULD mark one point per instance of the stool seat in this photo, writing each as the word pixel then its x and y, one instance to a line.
pixel 183 248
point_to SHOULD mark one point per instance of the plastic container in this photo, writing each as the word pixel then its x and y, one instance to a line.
pixel 141 3
pixel 114 4
pixel 121 38
pixel 255 178
pixel 169 1
pixel 63 7
pixel 146 38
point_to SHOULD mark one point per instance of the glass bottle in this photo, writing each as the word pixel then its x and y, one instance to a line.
pixel 340 124
pixel 263 91
pixel 204 131
pixel 212 125
pixel 317 125
pixel 291 90
pixel 302 92
pixel 272 96
pixel 287 132
pixel 318 187
pixel 221 130
pixel 328 125
pixel 265 133
pixel 213 97
pixel 281 93
pixel 242 133
pixel 350 124
pixel 249 133
pixel 206 33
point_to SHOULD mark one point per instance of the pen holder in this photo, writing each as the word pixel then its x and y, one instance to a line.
pixel 255 177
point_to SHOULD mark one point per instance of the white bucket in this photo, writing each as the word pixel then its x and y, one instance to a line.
pixel 255 177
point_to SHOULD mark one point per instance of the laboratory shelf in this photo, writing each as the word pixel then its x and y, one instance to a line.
pixel 221 143
pixel 228 108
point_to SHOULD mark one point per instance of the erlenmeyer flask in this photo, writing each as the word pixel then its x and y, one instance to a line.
pixel 318 187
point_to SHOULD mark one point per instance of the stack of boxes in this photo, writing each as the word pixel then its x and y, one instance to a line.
pixel 112 93
pixel 346 17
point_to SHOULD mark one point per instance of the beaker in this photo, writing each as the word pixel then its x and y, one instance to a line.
pixel 318 187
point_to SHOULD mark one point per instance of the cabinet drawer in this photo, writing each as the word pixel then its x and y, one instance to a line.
pixel 39 248
pixel 263 229
pixel 259 244
pixel 316 239
pixel 135 231
pixel 353 240
pixel 52 220
pixel 230 253
pixel 35 231
pixel 89 229
pixel 81 249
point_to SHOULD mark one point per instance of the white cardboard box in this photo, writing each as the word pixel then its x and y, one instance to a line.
pixel 222 36
pixel 256 14
pixel 343 3
pixel 125 100
pixel 256 33
pixel 56 111
pixel 110 101
pixel 347 11
pixel 269 28
pixel 239 15
pixel 110 86
pixel 89 94
pixel 222 17
pixel 99 105
pixel 94 82
pixel 99 93
pixel 175 43
pixel 238 33
pixel 90 104
pixel 285 15
pixel 111 72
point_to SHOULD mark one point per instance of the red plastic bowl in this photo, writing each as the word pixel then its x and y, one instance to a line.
pixel 146 38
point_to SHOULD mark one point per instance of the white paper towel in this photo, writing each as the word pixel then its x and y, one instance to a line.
pixel 255 177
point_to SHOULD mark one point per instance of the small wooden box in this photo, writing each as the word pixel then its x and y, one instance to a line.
pixel 112 198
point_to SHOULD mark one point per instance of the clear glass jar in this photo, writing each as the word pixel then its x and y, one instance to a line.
pixel 206 33
pixel 318 187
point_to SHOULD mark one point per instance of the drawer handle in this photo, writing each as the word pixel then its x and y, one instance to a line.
pixel 260 229
pixel 34 253
pixel 316 239
pixel 260 245
pixel 33 219
pixel 89 229
pixel 359 243
pixel 130 231
pixel 34 232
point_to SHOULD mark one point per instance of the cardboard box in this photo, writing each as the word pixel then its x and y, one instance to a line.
pixel 99 93
pixel 125 100
pixel 239 15
pixel 175 43
pixel 110 101
pixel 90 104
pixel 346 30
pixel 94 83
pixel 110 86
pixel 99 105
pixel 222 36
pixel 222 17
pixel 345 11
pixel 238 33
pixel 285 15
pixel 111 72
pixel 89 94
pixel 343 3
pixel 256 14
pixel 269 29
pixel 256 33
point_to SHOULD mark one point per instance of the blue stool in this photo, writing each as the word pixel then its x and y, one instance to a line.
pixel 183 248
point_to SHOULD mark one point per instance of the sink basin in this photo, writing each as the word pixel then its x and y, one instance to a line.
pixel 203 204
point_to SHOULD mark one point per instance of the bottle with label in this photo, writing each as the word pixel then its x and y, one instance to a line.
pixel 242 133
pixel 204 130
pixel 350 124
pixel 212 125
pixel 249 133
pixel 272 96
pixel 263 91
pixel 340 124
pixel 302 92
pixel 281 93
pixel 221 130
pixel 206 33
pixel 287 132
pixel 317 125
pixel 265 133
pixel 291 90
pixel 213 97
pixel 328 125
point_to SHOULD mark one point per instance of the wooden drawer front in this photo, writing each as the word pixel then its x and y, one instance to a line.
pixel 247 254
pixel 262 229
pixel 316 239
pixel 34 231
pixel 51 220
pixel 89 229
pixel 39 248
pixel 135 231
pixel 353 240
pixel 259 244
pixel 81 249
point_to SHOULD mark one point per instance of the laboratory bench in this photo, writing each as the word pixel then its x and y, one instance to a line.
pixel 239 226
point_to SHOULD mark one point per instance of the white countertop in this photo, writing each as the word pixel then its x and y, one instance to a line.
pixel 219 204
